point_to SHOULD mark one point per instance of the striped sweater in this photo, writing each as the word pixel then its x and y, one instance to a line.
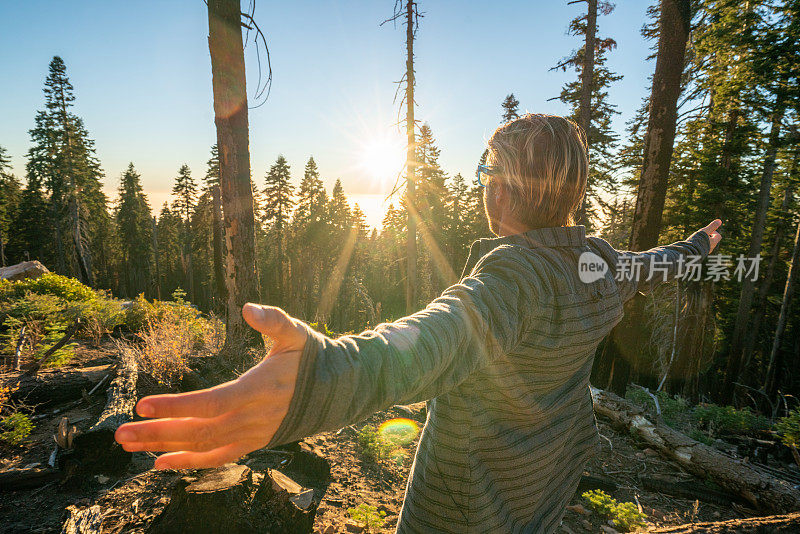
pixel 504 357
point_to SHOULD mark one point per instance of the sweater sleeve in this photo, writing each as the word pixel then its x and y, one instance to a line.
pixel 345 380
pixel 644 271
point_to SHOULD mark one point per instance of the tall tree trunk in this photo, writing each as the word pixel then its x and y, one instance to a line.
pixel 751 334
pixel 658 145
pixel 587 82
pixel 794 267
pixel 219 298
pixel 155 260
pixel 230 117
pixel 735 353
pixel 628 337
pixel 411 163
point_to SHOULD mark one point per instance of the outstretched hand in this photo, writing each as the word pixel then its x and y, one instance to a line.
pixel 211 427
pixel 713 236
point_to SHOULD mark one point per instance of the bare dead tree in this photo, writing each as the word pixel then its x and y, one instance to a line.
pixel 230 116
pixel 408 9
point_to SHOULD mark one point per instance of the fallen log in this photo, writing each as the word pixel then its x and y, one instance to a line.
pixel 690 489
pixel 85 521
pixel 18 349
pixel 751 525
pixel 231 500
pixel 52 386
pixel 96 450
pixel 762 491
pixel 22 479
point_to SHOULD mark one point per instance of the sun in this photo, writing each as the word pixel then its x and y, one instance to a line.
pixel 383 158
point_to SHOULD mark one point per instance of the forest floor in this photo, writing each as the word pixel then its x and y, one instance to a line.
pixel 131 500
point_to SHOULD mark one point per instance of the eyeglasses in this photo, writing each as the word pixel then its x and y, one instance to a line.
pixel 484 171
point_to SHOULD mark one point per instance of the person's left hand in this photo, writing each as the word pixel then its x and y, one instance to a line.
pixel 211 427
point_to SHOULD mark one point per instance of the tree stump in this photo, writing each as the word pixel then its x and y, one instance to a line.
pixel 230 500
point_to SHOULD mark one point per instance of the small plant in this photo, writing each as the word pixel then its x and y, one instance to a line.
pixel 373 445
pixel 170 332
pixel 368 516
pixel 16 428
pixel 626 516
pixel 789 428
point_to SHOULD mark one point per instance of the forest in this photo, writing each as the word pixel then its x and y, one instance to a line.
pixel 716 137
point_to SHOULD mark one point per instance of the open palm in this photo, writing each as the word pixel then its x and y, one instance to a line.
pixel 211 427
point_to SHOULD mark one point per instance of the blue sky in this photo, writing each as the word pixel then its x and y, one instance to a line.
pixel 142 78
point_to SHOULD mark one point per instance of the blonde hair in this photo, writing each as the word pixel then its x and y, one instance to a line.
pixel 543 161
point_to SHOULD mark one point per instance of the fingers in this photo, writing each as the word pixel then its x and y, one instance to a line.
pixel 713 235
pixel 712 226
pixel 207 433
pixel 203 403
pixel 213 458
pixel 286 332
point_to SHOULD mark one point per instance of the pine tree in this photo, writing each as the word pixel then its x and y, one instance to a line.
pixel 63 160
pixel 185 191
pixel 587 97
pixel 278 200
pixel 510 107
pixel 10 191
pixel 134 227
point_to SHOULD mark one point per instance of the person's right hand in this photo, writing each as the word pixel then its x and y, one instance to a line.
pixel 211 427
pixel 713 236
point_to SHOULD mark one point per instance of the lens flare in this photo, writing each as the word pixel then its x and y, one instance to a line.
pixel 399 432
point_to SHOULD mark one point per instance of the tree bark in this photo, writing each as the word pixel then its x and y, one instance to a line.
pixel 155 259
pixel 759 489
pixel 735 354
pixel 673 36
pixel 751 334
pixel 587 82
pixel 219 272
pixel 96 449
pixel 411 164
pixel 230 117
pixel 787 298
pixel 86 521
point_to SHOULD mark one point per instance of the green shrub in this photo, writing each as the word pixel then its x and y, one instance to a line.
pixel 789 428
pixel 16 428
pixel 626 516
pixel 48 309
pixel 59 286
pixel 728 420
pixel 98 316
pixel 368 516
pixel 373 445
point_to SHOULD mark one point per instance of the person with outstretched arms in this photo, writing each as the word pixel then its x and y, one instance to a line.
pixel 503 355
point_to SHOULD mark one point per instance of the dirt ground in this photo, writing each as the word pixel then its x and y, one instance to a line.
pixel 131 500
